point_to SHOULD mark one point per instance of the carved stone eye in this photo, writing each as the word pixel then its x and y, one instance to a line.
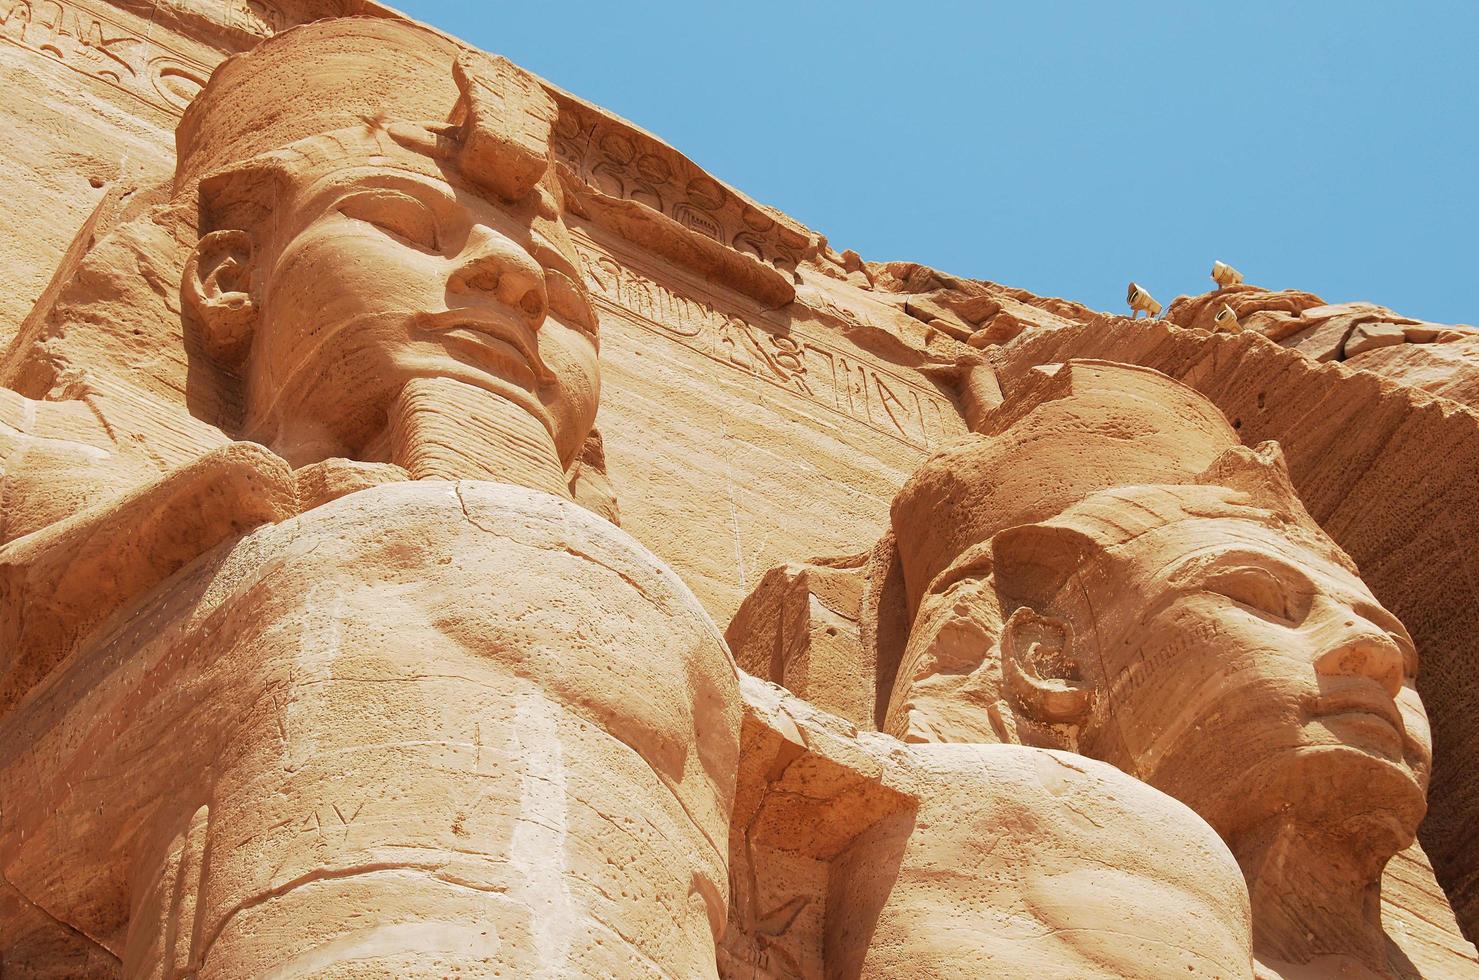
pixel 398 215
pixel 1257 589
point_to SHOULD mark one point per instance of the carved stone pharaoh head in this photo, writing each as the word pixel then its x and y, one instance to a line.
pixel 389 215
pixel 1112 572
pixel 1210 640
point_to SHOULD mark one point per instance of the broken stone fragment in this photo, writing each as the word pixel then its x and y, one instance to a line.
pixel 1370 336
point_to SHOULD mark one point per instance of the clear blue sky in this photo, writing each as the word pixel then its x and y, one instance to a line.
pixel 1065 147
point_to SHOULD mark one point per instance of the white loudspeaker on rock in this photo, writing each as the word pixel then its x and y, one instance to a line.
pixel 1225 275
pixel 1226 320
pixel 1141 302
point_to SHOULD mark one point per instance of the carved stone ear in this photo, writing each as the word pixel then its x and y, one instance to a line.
pixel 1032 562
pixel 218 288
pixel 1040 674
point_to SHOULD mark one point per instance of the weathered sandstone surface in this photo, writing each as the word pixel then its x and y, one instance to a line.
pixel 1439 358
pixel 445 531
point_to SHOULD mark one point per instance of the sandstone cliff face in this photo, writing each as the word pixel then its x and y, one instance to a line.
pixel 94 90
pixel 1434 357
pixel 764 399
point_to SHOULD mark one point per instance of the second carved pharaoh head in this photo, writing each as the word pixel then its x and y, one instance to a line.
pixel 1112 572
pixel 391 214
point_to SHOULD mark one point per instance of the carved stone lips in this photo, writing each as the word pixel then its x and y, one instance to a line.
pixel 496 325
pixel 1364 700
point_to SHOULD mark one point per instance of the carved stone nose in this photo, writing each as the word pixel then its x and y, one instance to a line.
pixel 493 265
pixel 1369 654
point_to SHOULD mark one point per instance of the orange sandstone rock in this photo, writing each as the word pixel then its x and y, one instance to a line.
pixel 323 652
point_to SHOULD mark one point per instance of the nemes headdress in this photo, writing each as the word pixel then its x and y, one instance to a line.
pixel 1125 449
pixel 1083 427
pixel 365 89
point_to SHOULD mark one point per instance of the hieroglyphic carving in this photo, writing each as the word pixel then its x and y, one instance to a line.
pixel 627 164
pixel 95 45
pixel 255 17
pixel 753 341
pixel 226 25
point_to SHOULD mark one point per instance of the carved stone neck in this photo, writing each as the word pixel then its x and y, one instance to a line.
pixel 447 430
pixel 1313 895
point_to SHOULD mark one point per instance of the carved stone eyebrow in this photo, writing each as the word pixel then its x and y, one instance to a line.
pixel 1192 574
pixel 336 187
pixel 1286 571
pixel 1202 565
pixel 442 196
pixel 423 189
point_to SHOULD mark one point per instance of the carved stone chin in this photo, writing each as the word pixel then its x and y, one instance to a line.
pixel 322 652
